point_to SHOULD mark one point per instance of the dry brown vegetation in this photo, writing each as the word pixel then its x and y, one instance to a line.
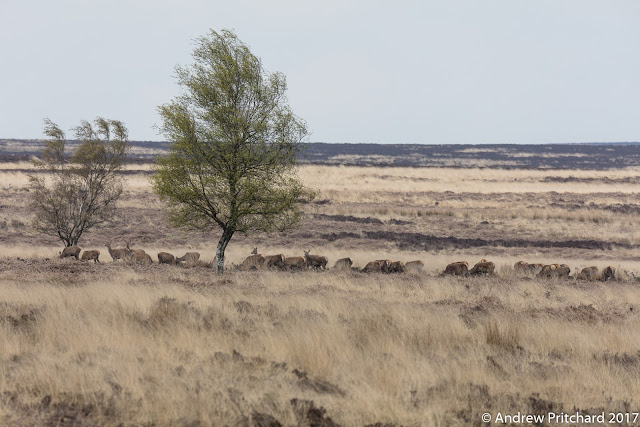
pixel 113 343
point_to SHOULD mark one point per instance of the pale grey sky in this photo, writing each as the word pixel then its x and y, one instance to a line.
pixel 433 72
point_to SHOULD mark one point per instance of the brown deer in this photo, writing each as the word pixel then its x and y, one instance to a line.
pixel 188 258
pixel 397 267
pixel 551 271
pixel 71 251
pixel 139 256
pixel 343 264
pixel 525 268
pixel 460 268
pixel 91 255
pixel 590 274
pixel 378 266
pixel 315 261
pixel 274 261
pixel 609 273
pixel 253 262
pixel 119 253
pixel 166 258
pixel 483 267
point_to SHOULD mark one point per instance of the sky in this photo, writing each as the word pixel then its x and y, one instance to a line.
pixel 404 71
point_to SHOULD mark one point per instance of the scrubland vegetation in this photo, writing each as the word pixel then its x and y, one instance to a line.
pixel 111 344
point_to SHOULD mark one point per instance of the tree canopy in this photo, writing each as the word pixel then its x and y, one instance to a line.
pixel 78 189
pixel 235 141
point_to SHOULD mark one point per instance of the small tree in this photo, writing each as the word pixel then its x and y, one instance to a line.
pixel 234 139
pixel 78 190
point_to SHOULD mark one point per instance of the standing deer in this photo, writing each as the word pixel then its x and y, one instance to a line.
pixel 315 261
pixel 253 261
pixel 119 253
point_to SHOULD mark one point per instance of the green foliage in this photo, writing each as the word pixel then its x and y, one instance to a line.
pixel 234 144
pixel 78 191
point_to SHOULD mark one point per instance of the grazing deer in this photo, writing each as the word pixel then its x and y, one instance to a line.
pixel 315 261
pixel 71 251
pixel 343 264
pixel 91 255
pixel 460 268
pixel 274 261
pixel 139 256
pixel 189 258
pixel 522 267
pixel 119 253
pixel 166 258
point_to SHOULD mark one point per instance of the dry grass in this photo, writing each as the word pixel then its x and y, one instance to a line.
pixel 159 345
pixel 171 346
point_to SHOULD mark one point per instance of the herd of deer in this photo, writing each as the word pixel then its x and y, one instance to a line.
pixel 127 254
pixel 542 271
pixel 258 261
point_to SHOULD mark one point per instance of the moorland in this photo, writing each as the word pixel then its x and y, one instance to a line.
pixel 118 343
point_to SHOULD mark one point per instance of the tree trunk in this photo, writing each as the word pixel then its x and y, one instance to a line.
pixel 222 245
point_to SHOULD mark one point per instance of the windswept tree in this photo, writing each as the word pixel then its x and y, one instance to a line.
pixel 232 160
pixel 78 189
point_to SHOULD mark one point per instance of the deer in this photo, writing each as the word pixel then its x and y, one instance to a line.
pixel 91 255
pixel 460 268
pixel 483 267
pixel 253 261
pixel 119 253
pixel 378 266
pixel 138 256
pixel 71 251
pixel 315 261
pixel 274 261
pixel 188 258
pixel 397 267
pixel 166 258
pixel 343 264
